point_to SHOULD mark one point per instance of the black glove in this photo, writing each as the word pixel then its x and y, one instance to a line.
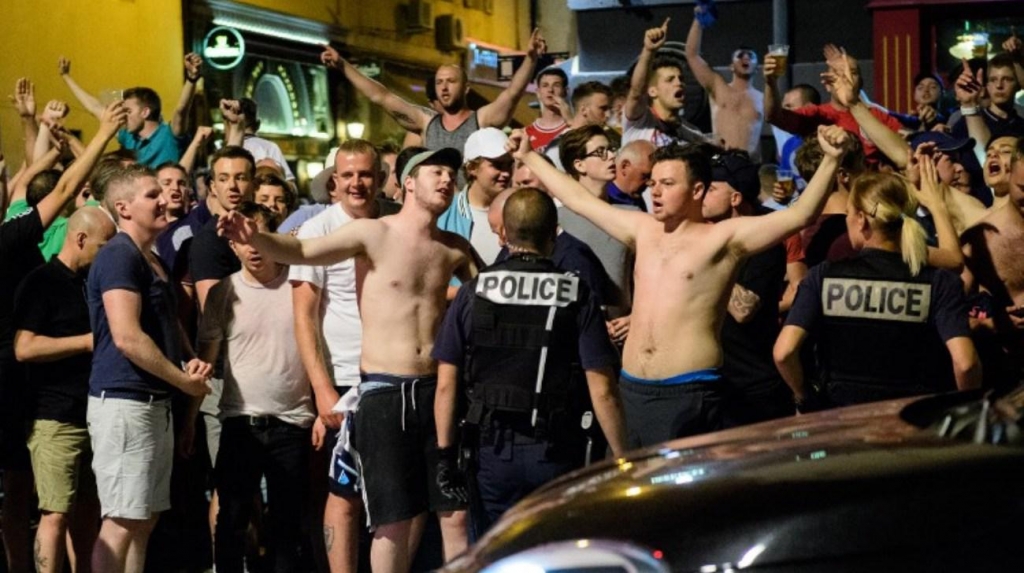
pixel 450 480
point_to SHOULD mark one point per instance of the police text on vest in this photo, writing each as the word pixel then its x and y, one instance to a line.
pixel 879 300
pixel 528 289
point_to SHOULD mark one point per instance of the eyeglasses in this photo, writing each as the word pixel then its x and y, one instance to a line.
pixel 602 152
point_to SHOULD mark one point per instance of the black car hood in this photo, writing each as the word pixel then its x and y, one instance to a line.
pixel 858 480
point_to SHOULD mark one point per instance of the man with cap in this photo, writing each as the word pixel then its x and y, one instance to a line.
pixel 536 366
pixel 405 263
pixel 751 324
pixel 328 329
pixel 488 168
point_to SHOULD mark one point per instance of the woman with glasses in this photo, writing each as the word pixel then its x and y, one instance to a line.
pixel 885 324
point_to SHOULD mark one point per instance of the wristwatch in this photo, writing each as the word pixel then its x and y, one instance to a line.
pixel 966 110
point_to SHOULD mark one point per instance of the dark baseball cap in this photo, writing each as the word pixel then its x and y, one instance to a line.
pixel 739 172
pixel 943 141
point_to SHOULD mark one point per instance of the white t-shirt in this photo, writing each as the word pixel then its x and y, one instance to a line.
pixel 648 128
pixel 263 374
pixel 482 238
pixel 339 306
pixel 265 149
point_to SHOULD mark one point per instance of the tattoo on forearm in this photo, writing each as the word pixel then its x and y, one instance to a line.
pixel 328 537
pixel 405 120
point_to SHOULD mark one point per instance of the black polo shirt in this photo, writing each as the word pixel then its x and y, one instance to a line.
pixel 51 302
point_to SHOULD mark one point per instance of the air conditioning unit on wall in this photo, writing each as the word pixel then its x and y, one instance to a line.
pixel 449 33
pixel 419 15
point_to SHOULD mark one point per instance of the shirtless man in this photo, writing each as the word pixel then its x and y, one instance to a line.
pixel 456 121
pixel 656 96
pixel 737 109
pixel 404 262
pixel 992 256
pixel 685 269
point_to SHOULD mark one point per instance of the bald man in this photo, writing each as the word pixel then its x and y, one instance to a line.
pixel 632 173
pixel 54 339
pixel 570 253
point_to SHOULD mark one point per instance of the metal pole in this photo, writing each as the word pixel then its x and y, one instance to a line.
pixel 780 33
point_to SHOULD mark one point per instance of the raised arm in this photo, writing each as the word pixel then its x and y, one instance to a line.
pixel 619 223
pixel 411 117
pixel 932 195
pixel 700 68
pixel 774 113
pixel 340 245
pixel 499 112
pixel 844 91
pixel 969 89
pixel 188 159
pixel 88 101
pixel 751 235
pixel 193 71
pixel 111 120
pixel 1015 47
pixel 24 100
pixel 636 99
pixel 231 111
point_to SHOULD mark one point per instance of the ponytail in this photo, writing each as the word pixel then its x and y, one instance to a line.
pixel 890 207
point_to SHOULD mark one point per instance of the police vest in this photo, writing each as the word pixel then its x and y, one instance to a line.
pixel 876 340
pixel 524 340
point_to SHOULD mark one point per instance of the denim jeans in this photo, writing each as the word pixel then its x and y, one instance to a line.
pixel 252 447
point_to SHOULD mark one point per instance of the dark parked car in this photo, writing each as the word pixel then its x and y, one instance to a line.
pixel 921 484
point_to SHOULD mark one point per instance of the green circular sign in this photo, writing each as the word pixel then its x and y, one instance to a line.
pixel 223 48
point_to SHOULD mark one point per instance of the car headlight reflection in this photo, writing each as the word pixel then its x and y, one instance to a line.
pixel 582 555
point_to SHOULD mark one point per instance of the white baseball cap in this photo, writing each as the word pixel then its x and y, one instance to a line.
pixel 488 142
pixel 318 185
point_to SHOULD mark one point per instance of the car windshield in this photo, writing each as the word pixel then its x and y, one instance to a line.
pixel 977 416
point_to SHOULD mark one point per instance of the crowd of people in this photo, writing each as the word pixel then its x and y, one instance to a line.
pixel 445 325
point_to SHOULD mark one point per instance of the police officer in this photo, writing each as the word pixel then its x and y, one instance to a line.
pixel 886 325
pixel 510 351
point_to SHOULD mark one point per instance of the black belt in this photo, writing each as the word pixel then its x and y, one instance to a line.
pixel 133 395
pixel 258 422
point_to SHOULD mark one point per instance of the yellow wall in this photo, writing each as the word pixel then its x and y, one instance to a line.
pixel 380 29
pixel 112 44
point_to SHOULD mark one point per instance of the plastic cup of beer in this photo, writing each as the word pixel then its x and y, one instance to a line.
pixel 785 180
pixel 781 53
pixel 107 97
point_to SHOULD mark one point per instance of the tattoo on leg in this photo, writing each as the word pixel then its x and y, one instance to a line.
pixel 40 560
pixel 328 537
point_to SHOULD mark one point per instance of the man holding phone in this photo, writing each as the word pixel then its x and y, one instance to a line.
pixel 154 141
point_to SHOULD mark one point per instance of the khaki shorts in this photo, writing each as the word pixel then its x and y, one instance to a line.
pixel 133 450
pixel 61 455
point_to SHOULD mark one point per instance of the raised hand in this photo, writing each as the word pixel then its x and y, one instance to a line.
pixel 64 66
pixel 231 110
pixel 840 76
pixel 331 58
pixel 24 98
pixel 833 140
pixel 193 67
pixel 562 107
pixel 236 227
pixel 538 46
pixel 203 132
pixel 518 144
pixel 114 117
pixel 968 86
pixel 1013 43
pixel 655 38
pixel 54 111
pixel 929 191
pixel 771 67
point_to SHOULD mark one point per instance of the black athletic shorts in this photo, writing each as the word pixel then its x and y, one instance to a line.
pixel 396 442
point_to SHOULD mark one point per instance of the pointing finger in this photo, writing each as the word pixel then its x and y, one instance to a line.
pixel 664 25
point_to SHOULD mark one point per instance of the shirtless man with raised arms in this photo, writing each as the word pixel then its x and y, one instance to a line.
pixel 737 108
pixel 404 263
pixel 685 268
